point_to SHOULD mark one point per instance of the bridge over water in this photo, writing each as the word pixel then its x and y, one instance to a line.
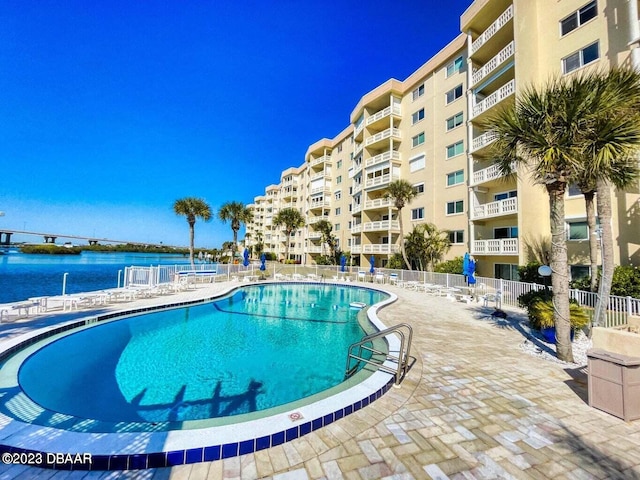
pixel 5 238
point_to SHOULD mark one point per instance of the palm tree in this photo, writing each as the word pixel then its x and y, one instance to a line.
pixel 427 245
pixel 541 129
pixel 325 228
pixel 401 192
pixel 192 208
pixel 236 213
pixel 291 219
pixel 611 146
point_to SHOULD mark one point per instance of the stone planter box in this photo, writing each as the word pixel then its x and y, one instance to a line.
pixel 621 340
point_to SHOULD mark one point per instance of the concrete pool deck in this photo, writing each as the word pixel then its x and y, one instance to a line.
pixel 474 405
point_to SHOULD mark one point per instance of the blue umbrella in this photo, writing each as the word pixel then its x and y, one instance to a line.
pixel 465 264
pixel 372 270
pixel 263 258
pixel 343 263
pixel 472 270
pixel 245 262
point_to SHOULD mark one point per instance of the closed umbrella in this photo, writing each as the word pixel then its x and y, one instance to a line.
pixel 472 271
pixel 343 263
pixel 263 258
pixel 245 262
pixel 372 270
pixel 465 264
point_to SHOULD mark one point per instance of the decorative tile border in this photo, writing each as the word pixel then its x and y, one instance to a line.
pixel 137 461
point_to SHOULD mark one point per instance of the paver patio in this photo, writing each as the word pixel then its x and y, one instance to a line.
pixel 474 405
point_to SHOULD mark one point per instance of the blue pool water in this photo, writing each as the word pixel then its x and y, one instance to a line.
pixel 261 347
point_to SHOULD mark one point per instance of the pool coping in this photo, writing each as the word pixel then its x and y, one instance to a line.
pixel 141 450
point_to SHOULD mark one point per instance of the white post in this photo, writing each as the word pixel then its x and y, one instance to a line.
pixel 119 275
pixel 64 282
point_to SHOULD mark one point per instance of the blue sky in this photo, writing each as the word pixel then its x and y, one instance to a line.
pixel 111 111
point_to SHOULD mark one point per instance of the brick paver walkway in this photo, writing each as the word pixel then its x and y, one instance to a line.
pixel 474 405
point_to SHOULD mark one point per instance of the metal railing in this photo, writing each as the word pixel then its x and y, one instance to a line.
pixel 401 358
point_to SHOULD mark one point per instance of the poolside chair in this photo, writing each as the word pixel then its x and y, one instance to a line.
pixel 393 279
pixel 362 276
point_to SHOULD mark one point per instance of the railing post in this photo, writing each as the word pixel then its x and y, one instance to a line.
pixel 629 309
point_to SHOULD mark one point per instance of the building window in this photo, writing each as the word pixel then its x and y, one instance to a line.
pixel 455 178
pixel 456 207
pixel 418 92
pixel 504 195
pixel 417 116
pixel 339 179
pixel 338 211
pixel 577 230
pixel 338 195
pixel 417 213
pixel 456 236
pixel 339 164
pixel 455 149
pixel 573 190
pixel 419 188
pixel 455 121
pixel 336 227
pixel 505 232
pixel 417 163
pixel 339 148
pixel 417 140
pixel 454 67
pixel 581 58
pixel 454 94
pixel 580 272
pixel 578 18
pixel 506 271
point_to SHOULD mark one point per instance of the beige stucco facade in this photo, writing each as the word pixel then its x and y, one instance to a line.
pixel 428 130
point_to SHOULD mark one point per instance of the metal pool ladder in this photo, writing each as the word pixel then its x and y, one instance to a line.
pixel 405 334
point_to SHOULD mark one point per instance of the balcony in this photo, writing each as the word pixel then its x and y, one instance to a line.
pixel 483 140
pixel 495 209
pixel 496 97
pixel 319 204
pixel 385 112
pixel 318 176
pixel 357 149
pixel 319 160
pixel 314 249
pixel 490 173
pixel 313 235
pixel 382 158
pixel 356 248
pixel 502 56
pixel 382 225
pixel 380 136
pixel 322 189
pixel 380 248
pixel 492 29
pixel 313 220
pixel 502 246
pixel 356 188
pixel 356 208
pixel 379 181
pixel 356 228
pixel 378 203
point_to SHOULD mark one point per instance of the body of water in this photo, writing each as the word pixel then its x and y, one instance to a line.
pixel 25 276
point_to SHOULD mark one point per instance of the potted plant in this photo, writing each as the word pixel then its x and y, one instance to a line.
pixel 541 316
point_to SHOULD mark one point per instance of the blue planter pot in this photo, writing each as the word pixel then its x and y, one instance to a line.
pixel 549 334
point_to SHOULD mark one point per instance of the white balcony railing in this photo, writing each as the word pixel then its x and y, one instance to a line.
pixel 319 204
pixel 490 173
pixel 355 248
pixel 496 209
pixel 483 140
pixel 383 157
pixel 492 29
pixel 317 176
pixel 356 188
pixel 502 246
pixel 378 203
pixel 313 220
pixel 358 129
pixel 379 181
pixel 357 148
pixel 389 132
pixel 313 235
pixel 356 208
pixel 385 112
pixel 380 248
pixel 503 92
pixel 317 161
pixel 492 64
pixel 321 189
pixel 382 225
pixel 356 228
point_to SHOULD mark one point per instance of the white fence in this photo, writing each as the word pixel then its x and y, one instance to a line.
pixel 619 307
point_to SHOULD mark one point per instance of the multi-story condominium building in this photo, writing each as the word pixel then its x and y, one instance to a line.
pixel 428 130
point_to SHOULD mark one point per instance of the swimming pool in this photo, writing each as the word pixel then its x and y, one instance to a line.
pixel 174 441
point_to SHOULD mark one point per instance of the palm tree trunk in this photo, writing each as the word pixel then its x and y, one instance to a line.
pixel 603 200
pixel 593 241
pixel 192 235
pixel 402 249
pixel 560 272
